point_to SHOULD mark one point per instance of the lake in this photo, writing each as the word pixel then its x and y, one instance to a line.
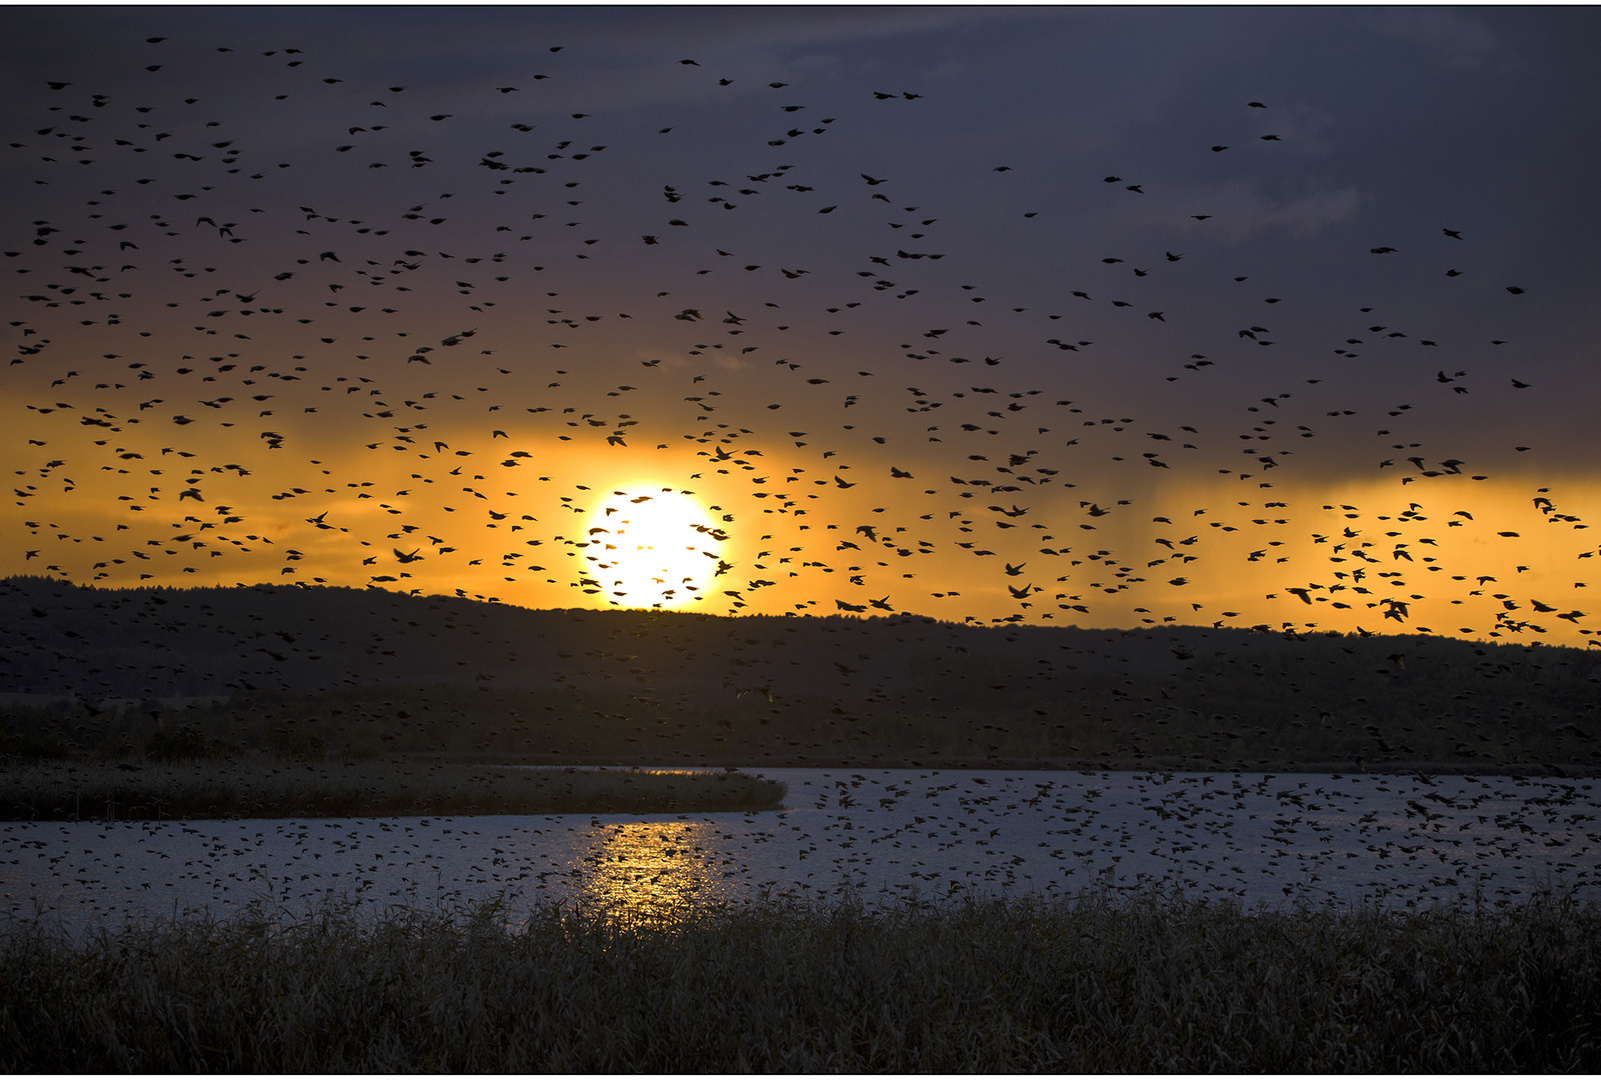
pixel 1389 841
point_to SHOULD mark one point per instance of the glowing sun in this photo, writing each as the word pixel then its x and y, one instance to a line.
pixel 653 548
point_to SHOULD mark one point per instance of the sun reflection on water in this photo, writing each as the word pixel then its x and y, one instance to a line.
pixel 656 871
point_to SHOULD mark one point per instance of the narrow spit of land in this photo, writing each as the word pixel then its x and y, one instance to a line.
pixel 266 788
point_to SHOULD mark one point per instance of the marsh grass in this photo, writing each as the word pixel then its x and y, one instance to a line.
pixel 1148 984
pixel 265 787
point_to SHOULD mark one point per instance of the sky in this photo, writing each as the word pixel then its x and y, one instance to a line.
pixel 1111 316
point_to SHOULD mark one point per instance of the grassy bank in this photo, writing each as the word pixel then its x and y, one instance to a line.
pixel 271 788
pixel 1144 985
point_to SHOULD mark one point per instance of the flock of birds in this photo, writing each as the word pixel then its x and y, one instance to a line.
pixel 250 384
pixel 275 324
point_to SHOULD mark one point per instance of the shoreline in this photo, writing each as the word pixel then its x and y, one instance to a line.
pixel 1572 771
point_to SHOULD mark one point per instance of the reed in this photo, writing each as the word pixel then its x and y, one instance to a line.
pixel 265 787
pixel 1097 983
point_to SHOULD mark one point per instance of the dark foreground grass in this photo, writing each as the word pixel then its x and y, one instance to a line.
pixel 1095 984
pixel 275 788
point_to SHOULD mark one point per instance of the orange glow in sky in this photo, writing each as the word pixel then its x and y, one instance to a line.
pixel 631 331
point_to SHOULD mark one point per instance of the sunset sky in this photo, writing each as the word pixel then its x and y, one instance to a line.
pixel 1101 316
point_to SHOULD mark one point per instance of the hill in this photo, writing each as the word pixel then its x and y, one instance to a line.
pixel 360 672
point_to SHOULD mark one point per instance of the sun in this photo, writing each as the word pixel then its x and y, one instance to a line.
pixel 653 547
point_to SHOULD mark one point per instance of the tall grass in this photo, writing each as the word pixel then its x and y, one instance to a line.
pixel 1150 984
pixel 266 787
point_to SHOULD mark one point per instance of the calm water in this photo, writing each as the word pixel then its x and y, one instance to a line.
pixel 1256 838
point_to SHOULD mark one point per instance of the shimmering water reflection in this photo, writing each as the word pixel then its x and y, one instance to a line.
pixel 1393 841
pixel 652 871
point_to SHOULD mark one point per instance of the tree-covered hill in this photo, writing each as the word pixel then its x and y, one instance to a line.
pixel 381 671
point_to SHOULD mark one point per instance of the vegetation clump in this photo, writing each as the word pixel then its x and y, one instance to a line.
pixel 31 744
pixel 187 743
pixel 1093 984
